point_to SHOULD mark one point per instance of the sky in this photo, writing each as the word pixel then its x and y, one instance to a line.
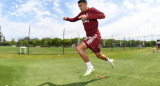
pixel 45 18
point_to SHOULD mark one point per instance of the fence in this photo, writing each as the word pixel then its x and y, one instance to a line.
pixel 134 42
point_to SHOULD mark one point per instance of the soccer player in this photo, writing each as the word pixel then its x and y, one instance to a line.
pixel 89 18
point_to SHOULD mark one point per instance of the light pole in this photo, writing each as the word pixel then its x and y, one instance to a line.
pixel 0 34
pixel 63 39
pixel 28 39
pixel 112 44
pixel 29 35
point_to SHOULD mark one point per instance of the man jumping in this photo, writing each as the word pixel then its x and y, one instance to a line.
pixel 89 18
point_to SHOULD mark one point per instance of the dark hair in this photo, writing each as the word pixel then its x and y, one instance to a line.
pixel 84 1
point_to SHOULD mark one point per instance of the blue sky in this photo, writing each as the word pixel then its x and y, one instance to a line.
pixel 123 18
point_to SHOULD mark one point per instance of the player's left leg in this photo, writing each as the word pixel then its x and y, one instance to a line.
pixel 81 51
pixel 103 57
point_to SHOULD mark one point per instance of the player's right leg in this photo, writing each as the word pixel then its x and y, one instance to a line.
pixel 80 50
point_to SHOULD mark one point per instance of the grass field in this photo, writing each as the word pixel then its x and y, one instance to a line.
pixel 49 67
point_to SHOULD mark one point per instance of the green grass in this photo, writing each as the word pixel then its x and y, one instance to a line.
pixel 49 67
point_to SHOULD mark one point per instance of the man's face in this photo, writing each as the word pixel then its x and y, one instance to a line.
pixel 82 6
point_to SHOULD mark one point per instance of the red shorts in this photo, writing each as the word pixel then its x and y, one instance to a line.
pixel 93 43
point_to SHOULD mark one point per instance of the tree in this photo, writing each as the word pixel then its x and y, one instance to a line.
pixel 102 42
pixel 74 40
pixel 67 42
pixel 7 43
pixel 83 38
pixel 34 43
pixel 153 43
pixel 38 42
pixel 148 43
pixel 57 42
pixel 25 43
pixel 13 42
pixel 45 43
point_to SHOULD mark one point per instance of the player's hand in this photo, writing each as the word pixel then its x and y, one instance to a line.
pixel 82 17
pixel 65 18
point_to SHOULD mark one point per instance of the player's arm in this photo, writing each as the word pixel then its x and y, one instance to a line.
pixel 96 14
pixel 71 19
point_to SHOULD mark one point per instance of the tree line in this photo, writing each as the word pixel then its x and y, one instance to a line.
pixel 58 42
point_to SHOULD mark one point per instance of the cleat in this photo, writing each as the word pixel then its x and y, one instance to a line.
pixel 112 63
pixel 89 71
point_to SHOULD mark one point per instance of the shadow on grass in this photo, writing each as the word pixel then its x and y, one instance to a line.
pixel 72 84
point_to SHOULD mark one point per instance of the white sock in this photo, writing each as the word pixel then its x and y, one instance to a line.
pixel 109 60
pixel 89 65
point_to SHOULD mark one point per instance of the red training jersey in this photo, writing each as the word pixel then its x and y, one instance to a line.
pixel 90 23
